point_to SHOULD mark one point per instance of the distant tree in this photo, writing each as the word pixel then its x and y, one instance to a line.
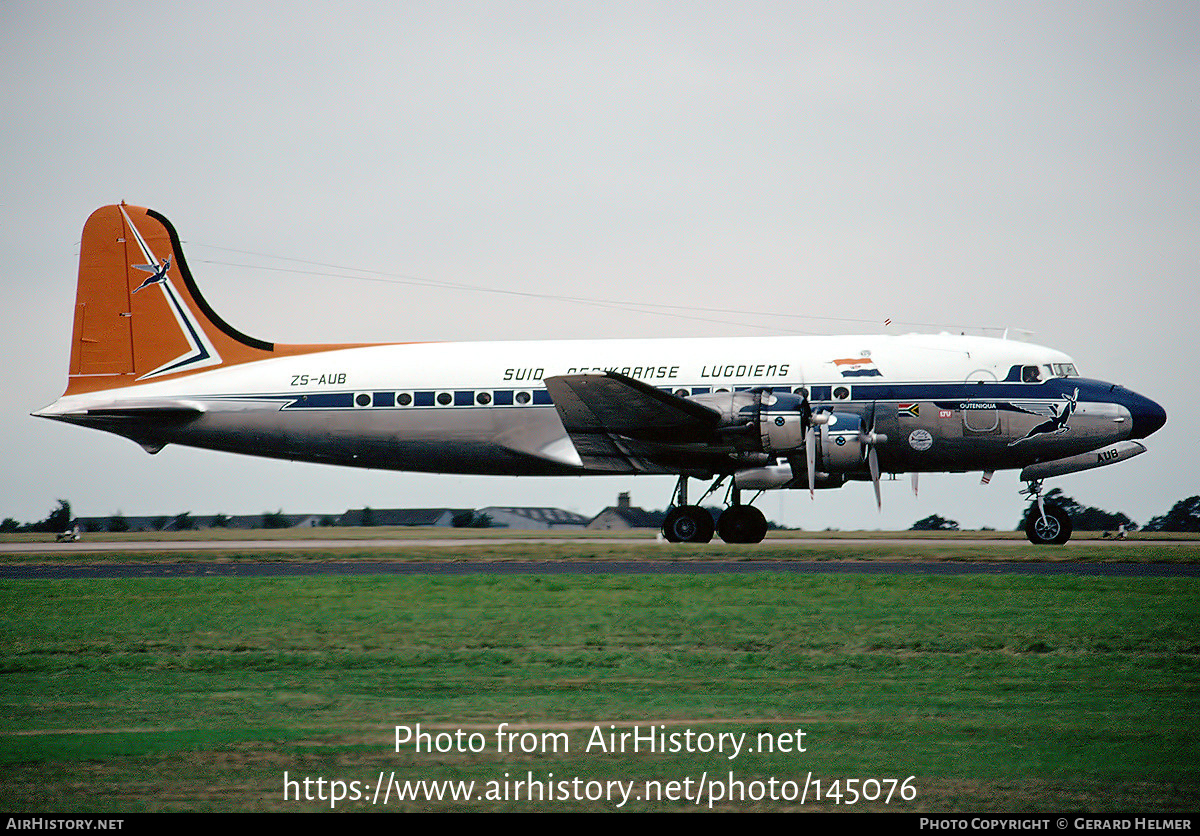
pixel 183 522
pixel 368 517
pixel 1084 517
pixel 220 521
pixel 328 521
pixel 159 523
pixel 1183 516
pixel 9 525
pixel 58 520
pixel 934 523
pixel 118 523
pixel 276 520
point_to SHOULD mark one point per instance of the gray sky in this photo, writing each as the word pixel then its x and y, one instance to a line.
pixel 957 165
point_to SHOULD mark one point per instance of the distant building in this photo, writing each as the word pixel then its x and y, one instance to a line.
pixel 436 517
pixel 188 522
pixel 624 516
pixel 539 519
pixel 500 517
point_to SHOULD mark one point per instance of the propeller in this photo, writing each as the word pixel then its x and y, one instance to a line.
pixel 872 439
pixel 810 451
pixel 811 420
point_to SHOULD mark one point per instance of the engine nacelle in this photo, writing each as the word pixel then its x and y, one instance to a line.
pixel 781 423
pixel 774 423
pixel 736 408
pixel 841 447
pixel 781 432
pixel 840 436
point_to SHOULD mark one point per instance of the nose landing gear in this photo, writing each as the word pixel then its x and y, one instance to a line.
pixel 1045 523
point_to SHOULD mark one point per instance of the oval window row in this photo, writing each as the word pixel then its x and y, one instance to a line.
pixel 457 398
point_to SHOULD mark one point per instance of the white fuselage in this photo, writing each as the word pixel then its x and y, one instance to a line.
pixel 482 407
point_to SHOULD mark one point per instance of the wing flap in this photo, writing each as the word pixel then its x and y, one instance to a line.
pixel 616 422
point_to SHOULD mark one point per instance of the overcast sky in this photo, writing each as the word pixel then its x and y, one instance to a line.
pixel 945 165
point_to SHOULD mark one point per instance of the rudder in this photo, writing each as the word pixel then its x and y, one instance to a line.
pixel 138 313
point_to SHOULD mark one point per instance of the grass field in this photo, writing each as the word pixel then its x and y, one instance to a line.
pixel 1009 693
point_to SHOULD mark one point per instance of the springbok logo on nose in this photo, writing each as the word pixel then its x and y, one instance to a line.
pixel 1057 424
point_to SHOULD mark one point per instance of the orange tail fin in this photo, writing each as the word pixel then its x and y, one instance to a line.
pixel 138 313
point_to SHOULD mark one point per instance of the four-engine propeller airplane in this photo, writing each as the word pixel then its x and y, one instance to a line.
pixel 150 360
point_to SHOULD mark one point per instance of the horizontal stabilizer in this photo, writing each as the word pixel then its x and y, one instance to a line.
pixel 124 411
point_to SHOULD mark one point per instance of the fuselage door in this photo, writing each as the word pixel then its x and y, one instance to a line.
pixel 980 415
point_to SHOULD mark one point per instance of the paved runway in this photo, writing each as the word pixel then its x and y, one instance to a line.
pixel 285 545
pixel 283 568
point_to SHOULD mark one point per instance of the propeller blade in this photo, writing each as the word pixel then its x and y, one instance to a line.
pixel 914 483
pixel 810 451
pixel 873 461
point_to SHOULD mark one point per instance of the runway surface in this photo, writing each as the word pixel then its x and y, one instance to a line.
pixel 381 544
pixel 264 569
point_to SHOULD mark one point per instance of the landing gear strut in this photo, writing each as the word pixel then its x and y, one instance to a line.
pixel 686 523
pixel 1045 522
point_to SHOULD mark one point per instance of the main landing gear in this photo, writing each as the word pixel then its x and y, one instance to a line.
pixel 693 524
pixel 1045 523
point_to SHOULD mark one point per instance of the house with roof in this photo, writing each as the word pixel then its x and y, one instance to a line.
pixel 624 515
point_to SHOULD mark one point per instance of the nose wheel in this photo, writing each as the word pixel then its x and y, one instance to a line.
pixel 1046 524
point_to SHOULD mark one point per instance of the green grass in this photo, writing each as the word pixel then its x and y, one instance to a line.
pixel 996 693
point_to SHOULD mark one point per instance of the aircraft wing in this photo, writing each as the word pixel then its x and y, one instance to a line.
pixel 620 424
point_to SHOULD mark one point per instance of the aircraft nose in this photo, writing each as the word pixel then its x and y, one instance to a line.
pixel 1148 416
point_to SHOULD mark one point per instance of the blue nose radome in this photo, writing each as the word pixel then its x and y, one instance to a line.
pixel 1148 416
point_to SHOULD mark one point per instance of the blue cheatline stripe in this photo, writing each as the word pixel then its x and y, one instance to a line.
pixel 944 395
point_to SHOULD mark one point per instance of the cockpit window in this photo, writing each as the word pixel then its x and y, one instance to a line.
pixel 1030 374
pixel 1062 370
